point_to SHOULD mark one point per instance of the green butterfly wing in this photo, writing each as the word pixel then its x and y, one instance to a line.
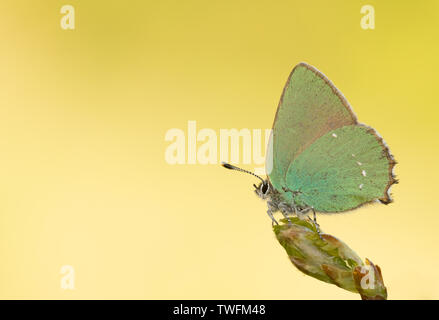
pixel 310 106
pixel 342 170
pixel 304 155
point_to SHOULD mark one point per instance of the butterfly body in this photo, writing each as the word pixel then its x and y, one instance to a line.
pixel 285 201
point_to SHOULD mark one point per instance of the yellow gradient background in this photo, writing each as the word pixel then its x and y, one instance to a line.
pixel 83 116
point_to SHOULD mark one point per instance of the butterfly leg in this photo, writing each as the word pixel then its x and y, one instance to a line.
pixel 313 220
pixel 273 220
pixel 285 209
pixel 302 213
pixel 270 211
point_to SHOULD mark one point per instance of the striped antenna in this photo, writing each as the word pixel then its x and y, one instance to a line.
pixel 232 167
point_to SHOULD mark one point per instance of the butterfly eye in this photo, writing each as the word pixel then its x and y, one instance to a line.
pixel 264 188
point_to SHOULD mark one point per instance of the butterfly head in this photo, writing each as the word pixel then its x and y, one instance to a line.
pixel 262 190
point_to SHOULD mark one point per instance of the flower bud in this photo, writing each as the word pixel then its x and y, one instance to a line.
pixel 328 259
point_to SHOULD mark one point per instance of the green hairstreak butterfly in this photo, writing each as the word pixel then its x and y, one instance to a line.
pixel 320 158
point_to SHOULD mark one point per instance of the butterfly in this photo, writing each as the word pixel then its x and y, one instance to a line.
pixel 320 158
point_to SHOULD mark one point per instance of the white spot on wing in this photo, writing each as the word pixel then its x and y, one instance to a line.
pixel 363 173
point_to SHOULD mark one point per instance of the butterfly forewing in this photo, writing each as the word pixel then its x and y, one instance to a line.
pixel 310 107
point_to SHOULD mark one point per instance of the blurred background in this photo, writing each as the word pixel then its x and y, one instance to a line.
pixel 83 118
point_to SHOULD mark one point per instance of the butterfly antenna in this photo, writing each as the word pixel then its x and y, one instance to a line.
pixel 232 167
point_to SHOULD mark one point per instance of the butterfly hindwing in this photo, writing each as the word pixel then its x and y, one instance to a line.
pixel 310 107
pixel 343 169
